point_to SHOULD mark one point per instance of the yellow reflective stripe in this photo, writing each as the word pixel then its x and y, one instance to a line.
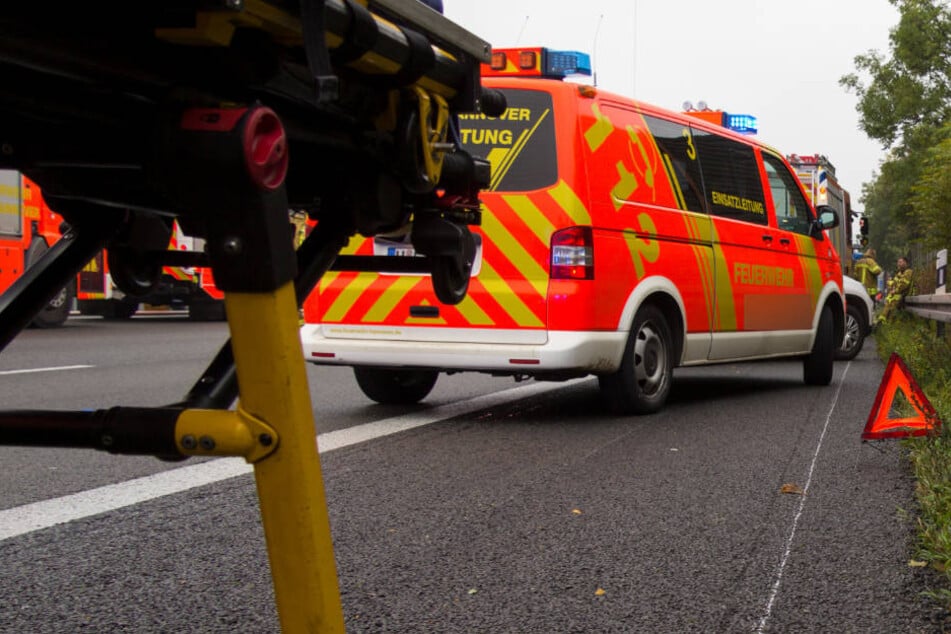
pixel 388 300
pixel 508 299
pixel 473 313
pixel 625 187
pixel 349 296
pixel 648 168
pixel 725 318
pixel 703 254
pixel 509 157
pixel 810 266
pixel 353 245
pixel 672 178
pixel 599 131
pixel 538 222
pixel 508 244
pixel 327 279
pixel 568 200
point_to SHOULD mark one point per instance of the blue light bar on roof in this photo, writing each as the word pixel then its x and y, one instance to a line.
pixel 742 123
pixel 564 63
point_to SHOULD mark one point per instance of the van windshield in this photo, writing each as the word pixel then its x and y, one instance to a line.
pixel 520 144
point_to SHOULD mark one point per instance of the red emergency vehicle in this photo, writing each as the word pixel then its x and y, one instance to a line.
pixel 28 227
pixel 617 239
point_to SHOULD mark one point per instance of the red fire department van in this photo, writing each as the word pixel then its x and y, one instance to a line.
pixel 28 228
pixel 617 239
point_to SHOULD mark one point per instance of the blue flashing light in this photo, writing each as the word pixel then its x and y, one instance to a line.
pixel 564 63
pixel 742 123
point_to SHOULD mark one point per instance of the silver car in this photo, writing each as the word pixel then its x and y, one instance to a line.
pixel 858 318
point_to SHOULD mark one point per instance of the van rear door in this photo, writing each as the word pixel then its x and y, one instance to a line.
pixel 506 299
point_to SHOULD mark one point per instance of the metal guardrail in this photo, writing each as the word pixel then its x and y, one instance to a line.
pixel 934 307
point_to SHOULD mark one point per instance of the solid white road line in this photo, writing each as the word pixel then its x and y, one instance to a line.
pixel 39 515
pixel 52 369
pixel 774 592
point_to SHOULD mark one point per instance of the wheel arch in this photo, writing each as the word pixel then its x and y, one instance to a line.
pixel 659 291
pixel 831 297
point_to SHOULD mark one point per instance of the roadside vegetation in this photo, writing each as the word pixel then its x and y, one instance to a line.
pixel 904 103
pixel 928 356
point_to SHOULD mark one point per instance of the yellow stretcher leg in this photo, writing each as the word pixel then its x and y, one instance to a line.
pixel 273 387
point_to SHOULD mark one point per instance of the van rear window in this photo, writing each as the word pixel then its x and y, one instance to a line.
pixel 520 144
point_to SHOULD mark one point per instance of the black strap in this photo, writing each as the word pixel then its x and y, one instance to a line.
pixel 421 58
pixel 361 37
pixel 315 47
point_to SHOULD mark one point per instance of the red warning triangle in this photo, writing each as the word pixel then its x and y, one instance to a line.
pixel 879 425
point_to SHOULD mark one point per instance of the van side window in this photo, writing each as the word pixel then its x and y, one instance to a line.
pixel 680 160
pixel 731 178
pixel 520 144
pixel 792 210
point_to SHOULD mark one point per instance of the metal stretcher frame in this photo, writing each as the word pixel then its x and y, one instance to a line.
pixel 241 206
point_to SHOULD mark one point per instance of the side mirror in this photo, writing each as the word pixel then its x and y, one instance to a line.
pixel 827 218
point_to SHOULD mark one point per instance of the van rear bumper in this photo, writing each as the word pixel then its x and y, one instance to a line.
pixel 597 352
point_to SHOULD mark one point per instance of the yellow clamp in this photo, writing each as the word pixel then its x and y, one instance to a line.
pixel 211 432
pixel 433 129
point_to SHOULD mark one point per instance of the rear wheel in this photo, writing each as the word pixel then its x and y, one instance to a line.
pixel 395 387
pixel 642 383
pixel 855 328
pixel 54 314
pixel 817 367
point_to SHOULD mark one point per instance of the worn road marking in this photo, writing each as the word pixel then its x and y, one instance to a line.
pixel 802 503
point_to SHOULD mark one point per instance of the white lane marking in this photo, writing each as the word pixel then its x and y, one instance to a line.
pixel 802 503
pixel 39 515
pixel 52 369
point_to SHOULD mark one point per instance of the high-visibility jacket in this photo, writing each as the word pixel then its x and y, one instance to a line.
pixel 867 271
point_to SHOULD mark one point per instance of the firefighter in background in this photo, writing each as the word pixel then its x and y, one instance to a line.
pixel 899 286
pixel 866 271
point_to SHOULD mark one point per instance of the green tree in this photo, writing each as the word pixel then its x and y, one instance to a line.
pixel 904 102
pixel 909 91
pixel 931 200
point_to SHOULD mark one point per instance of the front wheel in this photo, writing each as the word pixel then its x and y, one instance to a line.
pixel 817 367
pixel 642 383
pixel 390 386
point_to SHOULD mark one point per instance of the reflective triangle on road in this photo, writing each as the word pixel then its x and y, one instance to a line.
pixel 881 421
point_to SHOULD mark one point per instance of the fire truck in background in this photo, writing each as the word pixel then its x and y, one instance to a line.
pixel 179 287
pixel 28 227
pixel 817 176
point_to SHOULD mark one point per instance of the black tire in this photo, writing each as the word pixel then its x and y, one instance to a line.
pixel 55 313
pixel 642 383
pixel 395 387
pixel 817 367
pixel 854 339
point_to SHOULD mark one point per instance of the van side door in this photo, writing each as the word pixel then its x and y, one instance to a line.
pixel 760 295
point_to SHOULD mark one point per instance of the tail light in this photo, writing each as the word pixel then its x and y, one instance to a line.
pixel 572 254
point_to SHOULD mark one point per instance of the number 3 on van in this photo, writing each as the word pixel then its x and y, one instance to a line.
pixel 618 240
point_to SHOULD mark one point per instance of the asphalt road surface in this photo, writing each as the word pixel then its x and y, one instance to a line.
pixel 490 507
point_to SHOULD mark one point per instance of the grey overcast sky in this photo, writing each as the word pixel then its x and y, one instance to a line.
pixel 777 60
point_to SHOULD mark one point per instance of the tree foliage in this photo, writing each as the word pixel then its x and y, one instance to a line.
pixel 904 102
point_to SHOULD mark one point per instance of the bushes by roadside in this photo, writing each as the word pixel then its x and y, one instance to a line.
pixel 928 356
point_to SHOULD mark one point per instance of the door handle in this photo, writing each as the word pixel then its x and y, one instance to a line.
pixel 784 242
pixel 767 237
